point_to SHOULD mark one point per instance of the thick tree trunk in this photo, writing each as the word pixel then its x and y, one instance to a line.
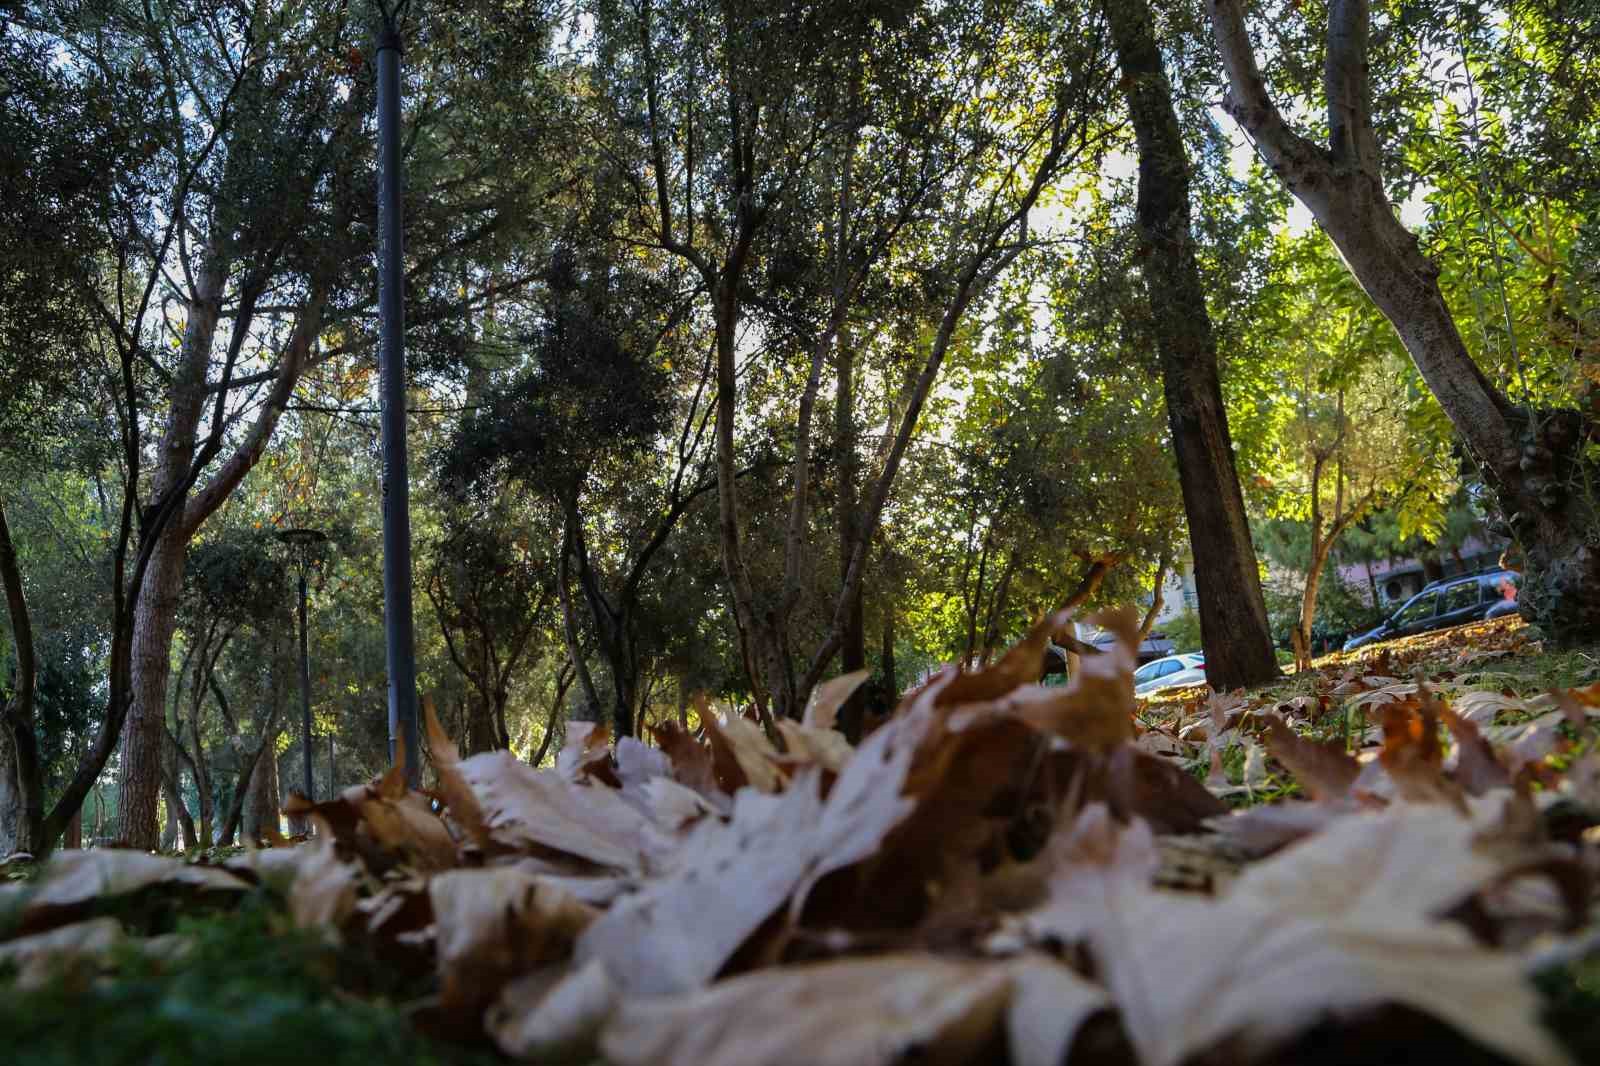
pixel 21 775
pixel 1533 460
pixel 261 805
pixel 143 733
pixel 1233 614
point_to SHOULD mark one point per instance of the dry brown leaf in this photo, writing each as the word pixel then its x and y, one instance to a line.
pixel 1478 768
pixel 495 924
pixel 64 952
pixel 1049 1004
pixel 1480 706
pixel 404 824
pixel 1325 771
pixel 742 742
pixel 822 710
pixel 323 893
pixel 1259 831
pixel 1412 753
pixel 529 808
pixel 808 745
pixel 691 761
pixel 586 751
pixel 1339 922
pixel 553 1014
pixel 74 879
pixel 458 795
pixel 855 1012
pixel 678 930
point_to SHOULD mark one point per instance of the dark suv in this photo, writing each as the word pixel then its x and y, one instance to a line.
pixel 1452 602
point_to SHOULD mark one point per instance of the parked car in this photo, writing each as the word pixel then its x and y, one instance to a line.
pixel 1174 671
pixel 1452 602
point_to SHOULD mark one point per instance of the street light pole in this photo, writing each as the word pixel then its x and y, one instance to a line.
pixel 399 636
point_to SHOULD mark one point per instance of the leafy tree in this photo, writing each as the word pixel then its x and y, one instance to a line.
pixel 1534 457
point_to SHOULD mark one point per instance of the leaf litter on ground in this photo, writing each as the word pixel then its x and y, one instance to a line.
pixel 992 868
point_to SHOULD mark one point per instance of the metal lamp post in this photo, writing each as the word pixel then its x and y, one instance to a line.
pixel 399 636
pixel 302 544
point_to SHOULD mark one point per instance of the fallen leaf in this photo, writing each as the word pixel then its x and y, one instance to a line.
pixel 525 807
pixel 61 953
pixel 678 930
pixel 822 710
pixel 1338 922
pixel 1478 769
pixel 73 880
pixel 853 1012
pixel 323 893
pixel 1325 771
pixel 554 1013
pixel 495 924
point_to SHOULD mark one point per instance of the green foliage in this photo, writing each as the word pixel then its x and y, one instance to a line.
pixel 1184 632
pixel 249 989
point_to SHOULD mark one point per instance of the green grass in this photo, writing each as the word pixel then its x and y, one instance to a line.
pixel 251 990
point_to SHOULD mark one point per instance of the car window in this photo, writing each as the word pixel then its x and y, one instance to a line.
pixel 1500 587
pixel 1460 597
pixel 1145 673
pixel 1417 610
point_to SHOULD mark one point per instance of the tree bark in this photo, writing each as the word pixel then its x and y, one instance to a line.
pixel 10 796
pixel 1158 597
pixel 21 774
pixel 1533 460
pixel 1233 614
pixel 177 810
pixel 853 642
pixel 261 810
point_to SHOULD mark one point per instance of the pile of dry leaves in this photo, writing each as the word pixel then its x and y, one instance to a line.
pixel 992 869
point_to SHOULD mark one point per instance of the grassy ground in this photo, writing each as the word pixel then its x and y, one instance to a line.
pixel 250 989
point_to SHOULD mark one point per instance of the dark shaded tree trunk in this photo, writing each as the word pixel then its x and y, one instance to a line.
pixel 21 776
pixel 1233 614
pixel 10 796
pixel 853 641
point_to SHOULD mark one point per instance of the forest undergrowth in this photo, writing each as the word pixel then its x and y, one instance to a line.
pixel 1390 857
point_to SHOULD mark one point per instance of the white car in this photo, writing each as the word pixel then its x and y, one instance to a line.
pixel 1174 671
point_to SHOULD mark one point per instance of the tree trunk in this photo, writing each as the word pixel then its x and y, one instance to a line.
pixel 261 807
pixel 21 775
pixel 1233 614
pixel 1308 607
pixel 1158 597
pixel 178 810
pixel 10 797
pixel 889 677
pixel 1533 460
pixel 853 641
